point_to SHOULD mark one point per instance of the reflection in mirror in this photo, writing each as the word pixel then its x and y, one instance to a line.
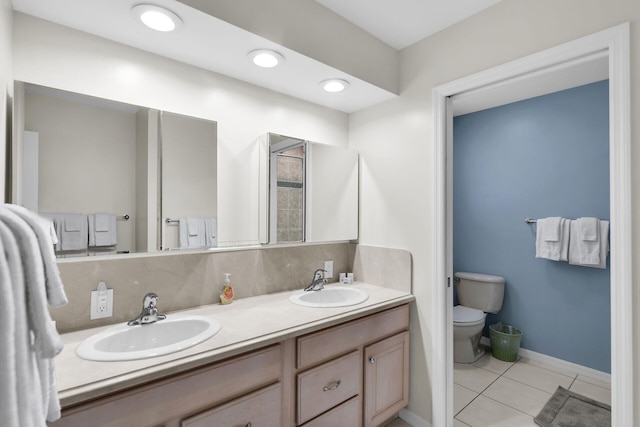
pixel 287 175
pixel 313 191
pixel 189 182
pixel 77 159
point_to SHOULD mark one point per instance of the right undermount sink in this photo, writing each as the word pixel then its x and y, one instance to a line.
pixel 330 296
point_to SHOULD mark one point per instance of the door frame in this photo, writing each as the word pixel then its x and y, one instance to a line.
pixel 615 43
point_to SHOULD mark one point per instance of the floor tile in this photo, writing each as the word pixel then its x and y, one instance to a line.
pixel 517 395
pixel 472 377
pixel 485 412
pixel 458 423
pixel 462 396
pixel 593 381
pixel 552 368
pixel 492 364
pixel 398 422
pixel 592 391
pixel 537 377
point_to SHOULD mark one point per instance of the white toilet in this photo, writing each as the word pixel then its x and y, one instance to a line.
pixel 478 294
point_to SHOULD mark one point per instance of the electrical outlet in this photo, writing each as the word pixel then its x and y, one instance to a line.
pixel 101 302
pixel 328 267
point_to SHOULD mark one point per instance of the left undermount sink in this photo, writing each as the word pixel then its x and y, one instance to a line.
pixel 330 296
pixel 124 342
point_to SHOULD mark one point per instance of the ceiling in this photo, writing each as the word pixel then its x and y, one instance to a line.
pixel 213 44
pixel 400 23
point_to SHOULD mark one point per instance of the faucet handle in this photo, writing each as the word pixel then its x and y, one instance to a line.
pixel 150 300
pixel 319 274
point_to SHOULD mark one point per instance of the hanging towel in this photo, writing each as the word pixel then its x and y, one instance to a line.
pixel 41 227
pixel 585 248
pixel 35 341
pixel 74 235
pixel 565 227
pixel 211 232
pixel 192 233
pixel 584 252
pixel 103 231
pixel 549 238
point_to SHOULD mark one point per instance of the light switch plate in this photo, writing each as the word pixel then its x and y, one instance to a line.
pixel 328 267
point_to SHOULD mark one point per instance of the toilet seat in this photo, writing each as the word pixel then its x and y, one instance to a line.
pixel 465 315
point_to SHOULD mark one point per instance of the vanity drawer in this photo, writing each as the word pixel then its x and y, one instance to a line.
pixel 260 409
pixel 328 385
pixel 326 344
pixel 347 414
pixel 182 394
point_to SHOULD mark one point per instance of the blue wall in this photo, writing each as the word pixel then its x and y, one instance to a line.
pixel 547 156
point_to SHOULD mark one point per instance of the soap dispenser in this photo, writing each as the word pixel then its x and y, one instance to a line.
pixel 227 291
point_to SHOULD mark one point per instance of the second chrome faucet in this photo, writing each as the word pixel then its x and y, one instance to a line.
pixel 318 281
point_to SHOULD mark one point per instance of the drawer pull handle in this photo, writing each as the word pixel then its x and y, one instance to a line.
pixel 332 386
pixel 372 360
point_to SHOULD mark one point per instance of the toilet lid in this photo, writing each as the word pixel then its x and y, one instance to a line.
pixel 462 314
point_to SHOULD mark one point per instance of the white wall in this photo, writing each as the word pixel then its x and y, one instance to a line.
pixel 6 81
pixel 395 139
pixel 52 55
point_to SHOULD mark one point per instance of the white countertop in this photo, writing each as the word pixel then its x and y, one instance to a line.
pixel 247 324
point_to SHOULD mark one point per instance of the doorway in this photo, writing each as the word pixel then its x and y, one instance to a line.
pixel 614 43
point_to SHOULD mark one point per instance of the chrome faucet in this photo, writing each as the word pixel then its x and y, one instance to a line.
pixel 149 312
pixel 318 281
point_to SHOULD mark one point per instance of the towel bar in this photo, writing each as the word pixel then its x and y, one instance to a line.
pixel 530 220
pixel 124 217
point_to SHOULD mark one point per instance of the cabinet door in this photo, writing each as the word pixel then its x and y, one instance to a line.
pixel 259 409
pixel 386 379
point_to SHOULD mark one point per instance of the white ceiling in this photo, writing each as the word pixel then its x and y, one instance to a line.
pixel 400 23
pixel 210 43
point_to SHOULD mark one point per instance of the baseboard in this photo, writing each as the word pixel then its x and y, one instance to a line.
pixel 413 419
pixel 558 363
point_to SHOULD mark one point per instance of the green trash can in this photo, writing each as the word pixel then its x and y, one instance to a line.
pixel 505 341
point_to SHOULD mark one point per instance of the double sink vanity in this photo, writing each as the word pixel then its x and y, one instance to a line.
pixel 338 356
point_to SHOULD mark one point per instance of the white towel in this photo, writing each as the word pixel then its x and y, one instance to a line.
pixel 35 392
pixel 8 381
pixel 192 233
pixel 103 230
pixel 41 227
pixel 74 235
pixel 577 247
pixel 588 227
pixel 565 227
pixel 47 340
pixel 549 238
pixel 211 232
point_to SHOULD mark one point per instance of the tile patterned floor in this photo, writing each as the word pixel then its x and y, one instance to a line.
pixel 493 393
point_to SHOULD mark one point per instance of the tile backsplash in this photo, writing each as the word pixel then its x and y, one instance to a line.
pixel 185 280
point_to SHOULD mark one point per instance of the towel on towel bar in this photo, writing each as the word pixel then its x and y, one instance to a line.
pixel 74 233
pixel 103 230
pixel 211 232
pixel 552 238
pixel 192 233
pixel 589 253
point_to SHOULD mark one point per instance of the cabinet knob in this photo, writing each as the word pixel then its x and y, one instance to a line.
pixel 372 360
pixel 248 424
pixel 332 386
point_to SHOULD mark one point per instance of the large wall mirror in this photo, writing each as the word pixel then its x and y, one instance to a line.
pixel 312 191
pixel 136 179
pixel 115 178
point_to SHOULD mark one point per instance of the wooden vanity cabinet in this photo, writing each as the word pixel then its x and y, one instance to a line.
pixel 354 374
pixel 174 401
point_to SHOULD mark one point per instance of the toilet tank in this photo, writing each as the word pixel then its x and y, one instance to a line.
pixel 482 291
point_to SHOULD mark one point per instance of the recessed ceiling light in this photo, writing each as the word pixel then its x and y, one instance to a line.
pixel 334 85
pixel 157 18
pixel 266 58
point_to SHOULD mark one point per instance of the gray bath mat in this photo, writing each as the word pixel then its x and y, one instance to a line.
pixel 569 409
